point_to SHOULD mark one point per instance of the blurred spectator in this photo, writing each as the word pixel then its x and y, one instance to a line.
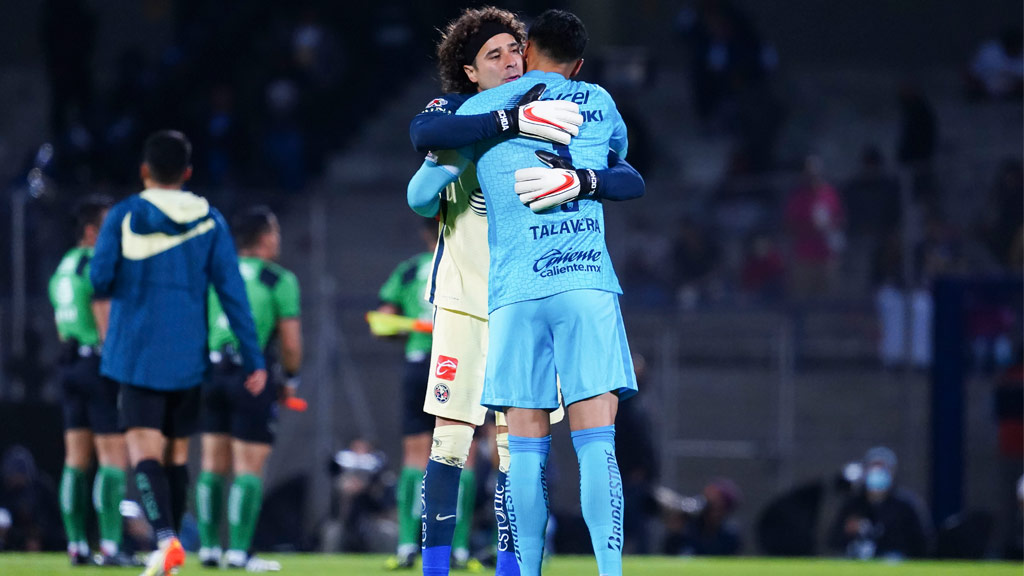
pixel 638 463
pixel 220 150
pixel 1014 548
pixel 872 198
pixel 997 69
pixel 763 272
pixel 939 252
pixel 755 117
pixel 712 530
pixel 364 498
pixel 69 40
pixel 29 517
pixel 694 259
pixel 918 141
pixel 1003 217
pixel 815 223
pixel 1009 412
pixel 647 269
pixel 726 54
pixel 881 519
pixel 873 210
pixel 742 203
pixel 284 142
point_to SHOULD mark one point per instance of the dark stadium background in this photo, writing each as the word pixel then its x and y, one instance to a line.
pixel 748 377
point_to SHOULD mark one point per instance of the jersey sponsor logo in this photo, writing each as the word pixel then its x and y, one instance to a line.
pixel 574 226
pixel 142 246
pixel 592 115
pixel 446 367
pixel 442 393
pixel 581 98
pixel 555 262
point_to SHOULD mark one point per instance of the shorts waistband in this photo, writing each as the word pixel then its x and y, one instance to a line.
pixel 88 351
pixel 226 354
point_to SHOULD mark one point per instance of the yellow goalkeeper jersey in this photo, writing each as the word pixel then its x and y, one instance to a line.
pixel 459 278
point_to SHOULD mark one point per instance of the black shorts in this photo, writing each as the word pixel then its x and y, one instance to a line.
pixel 90 400
pixel 228 408
pixel 414 393
pixel 175 413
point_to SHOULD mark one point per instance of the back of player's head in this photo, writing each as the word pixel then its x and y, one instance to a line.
pixel 474 27
pixel 560 35
pixel 168 153
pixel 249 225
pixel 90 211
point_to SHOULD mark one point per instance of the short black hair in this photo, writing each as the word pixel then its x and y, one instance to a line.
pixel 168 153
pixel 249 225
pixel 89 211
pixel 559 34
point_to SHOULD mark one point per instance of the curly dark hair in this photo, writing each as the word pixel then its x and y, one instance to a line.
pixel 453 41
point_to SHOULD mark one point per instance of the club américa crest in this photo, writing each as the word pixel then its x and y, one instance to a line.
pixel 441 393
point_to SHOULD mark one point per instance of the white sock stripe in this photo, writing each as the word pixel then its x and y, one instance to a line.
pixel 97 491
pixel 235 505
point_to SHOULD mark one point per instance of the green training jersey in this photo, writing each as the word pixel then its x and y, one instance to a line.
pixel 405 289
pixel 71 296
pixel 273 294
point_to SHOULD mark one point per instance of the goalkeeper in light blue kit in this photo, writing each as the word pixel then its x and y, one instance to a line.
pixel 553 295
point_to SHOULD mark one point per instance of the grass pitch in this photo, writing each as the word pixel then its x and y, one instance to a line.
pixel 369 565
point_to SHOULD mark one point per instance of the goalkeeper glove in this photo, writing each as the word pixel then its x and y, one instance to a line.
pixel 551 120
pixel 543 188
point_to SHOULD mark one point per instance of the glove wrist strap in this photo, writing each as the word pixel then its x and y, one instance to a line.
pixel 588 182
pixel 506 120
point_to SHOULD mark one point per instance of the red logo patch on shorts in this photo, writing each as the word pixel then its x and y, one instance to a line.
pixel 446 367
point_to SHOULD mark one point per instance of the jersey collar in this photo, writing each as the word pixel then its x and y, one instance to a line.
pixel 541 75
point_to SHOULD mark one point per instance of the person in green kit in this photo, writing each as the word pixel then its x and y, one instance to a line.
pixel 90 401
pixel 404 293
pixel 238 428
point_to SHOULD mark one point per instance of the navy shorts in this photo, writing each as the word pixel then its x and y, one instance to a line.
pixel 414 392
pixel 175 413
pixel 90 400
pixel 228 408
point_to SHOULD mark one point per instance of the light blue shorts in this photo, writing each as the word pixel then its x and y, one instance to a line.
pixel 577 334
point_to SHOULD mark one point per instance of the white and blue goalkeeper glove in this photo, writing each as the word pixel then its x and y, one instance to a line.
pixel 543 188
pixel 550 120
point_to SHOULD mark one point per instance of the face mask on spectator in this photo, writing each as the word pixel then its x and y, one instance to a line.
pixel 878 480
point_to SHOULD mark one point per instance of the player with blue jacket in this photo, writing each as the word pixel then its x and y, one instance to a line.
pixel 553 295
pixel 156 256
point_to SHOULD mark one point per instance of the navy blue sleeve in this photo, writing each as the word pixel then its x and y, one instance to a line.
pixel 438 128
pixel 619 181
pixel 230 288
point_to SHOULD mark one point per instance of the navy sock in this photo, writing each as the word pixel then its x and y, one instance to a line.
pixel 177 481
pixel 506 562
pixel 152 484
pixel 601 495
pixel 440 507
pixel 527 499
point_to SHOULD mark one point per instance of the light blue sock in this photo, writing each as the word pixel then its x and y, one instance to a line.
pixel 527 499
pixel 601 495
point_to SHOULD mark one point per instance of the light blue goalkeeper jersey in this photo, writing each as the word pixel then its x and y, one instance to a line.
pixel 561 249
